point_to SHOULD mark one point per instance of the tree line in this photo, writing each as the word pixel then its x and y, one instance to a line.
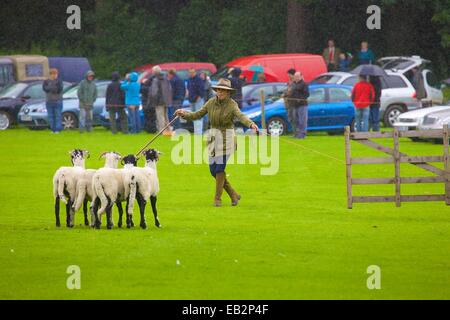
pixel 122 34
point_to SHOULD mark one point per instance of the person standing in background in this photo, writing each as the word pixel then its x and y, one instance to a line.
pixel 331 56
pixel 287 99
pixel 53 89
pixel 365 55
pixel 236 84
pixel 374 118
pixel 178 94
pixel 115 104
pixel 160 95
pixel 132 100
pixel 196 95
pixel 300 94
pixel 362 97
pixel 208 90
pixel 87 94
pixel 149 109
pixel 345 59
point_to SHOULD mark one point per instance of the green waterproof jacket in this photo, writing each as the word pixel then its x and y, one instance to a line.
pixel 87 92
pixel 221 139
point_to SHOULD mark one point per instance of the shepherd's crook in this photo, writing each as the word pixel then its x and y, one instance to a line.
pixel 157 135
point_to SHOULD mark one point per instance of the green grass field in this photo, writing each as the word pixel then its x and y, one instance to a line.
pixel 291 237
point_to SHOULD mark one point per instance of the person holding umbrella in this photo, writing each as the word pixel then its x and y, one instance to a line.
pixel 221 111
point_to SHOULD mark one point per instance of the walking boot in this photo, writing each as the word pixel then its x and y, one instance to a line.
pixel 220 181
pixel 234 196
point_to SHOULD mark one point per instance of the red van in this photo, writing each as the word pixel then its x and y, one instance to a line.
pixel 181 67
pixel 276 66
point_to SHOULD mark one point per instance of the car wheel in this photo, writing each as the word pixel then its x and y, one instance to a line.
pixel 69 121
pixel 391 114
pixel 276 126
pixel 5 120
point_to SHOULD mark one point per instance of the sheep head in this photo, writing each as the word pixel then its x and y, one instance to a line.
pixel 112 158
pixel 130 159
pixel 77 156
pixel 151 155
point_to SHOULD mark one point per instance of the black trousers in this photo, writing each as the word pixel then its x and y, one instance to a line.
pixel 150 119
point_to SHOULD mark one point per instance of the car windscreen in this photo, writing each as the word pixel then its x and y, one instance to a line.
pixel 13 90
pixel 71 93
pixel 326 78
pixel 398 64
pixel 221 73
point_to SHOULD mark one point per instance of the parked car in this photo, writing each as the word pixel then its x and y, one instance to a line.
pixel 276 66
pixel 15 95
pixel 181 67
pixel 251 93
pixel 330 109
pixel 412 119
pixel 397 95
pixel 435 120
pixel 405 65
pixel 34 115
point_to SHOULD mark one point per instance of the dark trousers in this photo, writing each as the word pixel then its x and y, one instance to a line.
pixel 177 104
pixel 122 118
pixel 301 119
pixel 150 119
pixel 54 115
pixel 374 117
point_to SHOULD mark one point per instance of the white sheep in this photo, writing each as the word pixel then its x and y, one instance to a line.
pixel 84 190
pixel 109 188
pixel 144 185
pixel 64 184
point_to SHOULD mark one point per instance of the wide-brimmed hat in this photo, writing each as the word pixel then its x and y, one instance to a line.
pixel 224 84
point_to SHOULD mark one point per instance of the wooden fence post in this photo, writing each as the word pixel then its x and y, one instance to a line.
pixel 348 163
pixel 263 116
pixel 397 168
pixel 445 138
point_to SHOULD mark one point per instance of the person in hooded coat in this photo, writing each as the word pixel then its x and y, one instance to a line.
pixel 237 83
pixel 132 100
pixel 87 94
pixel 149 109
pixel 115 104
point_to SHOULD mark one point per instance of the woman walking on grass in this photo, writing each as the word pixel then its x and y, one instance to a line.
pixel 221 111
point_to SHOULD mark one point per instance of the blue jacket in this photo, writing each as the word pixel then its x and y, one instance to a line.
pixel 196 88
pixel 178 88
pixel 132 90
pixel 366 57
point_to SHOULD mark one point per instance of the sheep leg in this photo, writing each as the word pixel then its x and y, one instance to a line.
pixel 58 223
pixel 155 212
pixel 109 223
pixel 119 207
pixel 127 214
pixel 95 211
pixel 91 209
pixel 142 202
pixel 85 210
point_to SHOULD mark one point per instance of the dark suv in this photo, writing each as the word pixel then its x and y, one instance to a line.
pixel 15 95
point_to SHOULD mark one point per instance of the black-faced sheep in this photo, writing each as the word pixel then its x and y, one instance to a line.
pixel 64 184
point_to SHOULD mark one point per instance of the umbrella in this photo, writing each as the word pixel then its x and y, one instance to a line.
pixel 369 70
pixel 256 68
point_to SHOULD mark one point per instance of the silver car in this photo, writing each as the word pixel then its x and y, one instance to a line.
pixel 435 120
pixel 397 95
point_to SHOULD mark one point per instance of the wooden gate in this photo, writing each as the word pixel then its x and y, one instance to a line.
pixel 441 176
